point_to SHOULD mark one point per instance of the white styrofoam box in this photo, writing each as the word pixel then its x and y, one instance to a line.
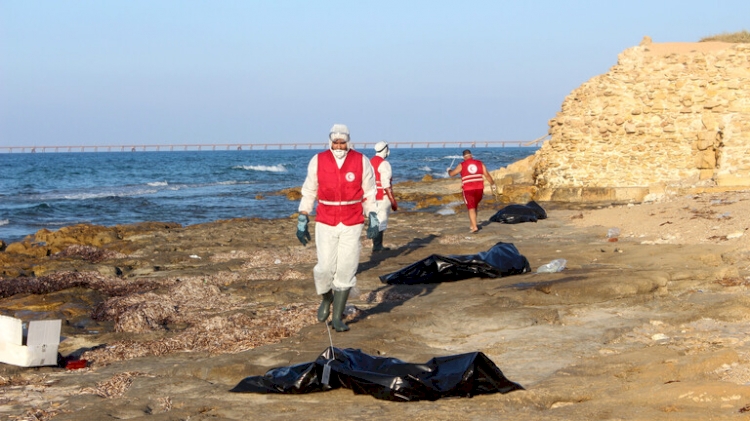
pixel 42 341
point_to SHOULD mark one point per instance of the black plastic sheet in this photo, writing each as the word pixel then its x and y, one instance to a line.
pixel 463 375
pixel 515 214
pixel 503 259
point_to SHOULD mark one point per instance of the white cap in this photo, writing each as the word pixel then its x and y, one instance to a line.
pixel 382 150
pixel 339 131
pixel 380 146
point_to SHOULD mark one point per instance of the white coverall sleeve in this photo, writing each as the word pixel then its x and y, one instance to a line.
pixel 369 187
pixel 386 173
pixel 310 187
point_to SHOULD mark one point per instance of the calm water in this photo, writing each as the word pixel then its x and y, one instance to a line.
pixel 52 190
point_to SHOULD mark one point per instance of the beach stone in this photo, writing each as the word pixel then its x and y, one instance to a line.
pixel 111 271
pixel 27 248
pixel 93 235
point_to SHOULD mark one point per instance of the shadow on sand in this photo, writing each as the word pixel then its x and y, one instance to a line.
pixel 393 296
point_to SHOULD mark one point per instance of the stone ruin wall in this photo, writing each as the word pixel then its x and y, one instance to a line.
pixel 662 117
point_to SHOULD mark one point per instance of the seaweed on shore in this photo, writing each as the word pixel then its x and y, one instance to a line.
pixel 64 280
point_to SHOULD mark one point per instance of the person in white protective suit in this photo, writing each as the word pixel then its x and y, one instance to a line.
pixel 343 182
pixel 386 201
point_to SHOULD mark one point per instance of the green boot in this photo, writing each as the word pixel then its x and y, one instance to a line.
pixel 339 304
pixel 377 242
pixel 325 306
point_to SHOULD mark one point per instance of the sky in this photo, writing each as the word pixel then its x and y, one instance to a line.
pixel 159 72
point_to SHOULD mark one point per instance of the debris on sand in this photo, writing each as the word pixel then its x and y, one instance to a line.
pixel 216 335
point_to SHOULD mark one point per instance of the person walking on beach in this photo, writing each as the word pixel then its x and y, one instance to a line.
pixel 473 172
pixel 386 201
pixel 342 181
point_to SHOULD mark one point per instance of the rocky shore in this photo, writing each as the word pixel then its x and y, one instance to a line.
pixel 650 324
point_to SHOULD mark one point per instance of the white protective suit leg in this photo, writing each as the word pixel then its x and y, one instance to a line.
pixel 338 256
pixel 384 209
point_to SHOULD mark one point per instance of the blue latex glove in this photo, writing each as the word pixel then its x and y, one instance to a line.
pixel 303 235
pixel 374 226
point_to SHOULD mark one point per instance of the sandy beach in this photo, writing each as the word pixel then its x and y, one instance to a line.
pixel 650 325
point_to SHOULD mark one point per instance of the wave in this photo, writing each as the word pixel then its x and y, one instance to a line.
pixel 158 183
pixel 131 191
pixel 264 168
pixel 4 222
pixel 448 208
pixel 443 158
pixel 100 195
pixel 433 173
pixel 175 187
pixel 54 224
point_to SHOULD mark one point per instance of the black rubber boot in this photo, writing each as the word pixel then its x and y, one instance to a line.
pixel 339 304
pixel 325 306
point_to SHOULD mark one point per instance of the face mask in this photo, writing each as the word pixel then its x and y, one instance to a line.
pixel 339 153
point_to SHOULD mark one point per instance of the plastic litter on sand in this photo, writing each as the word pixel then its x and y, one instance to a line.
pixel 556 265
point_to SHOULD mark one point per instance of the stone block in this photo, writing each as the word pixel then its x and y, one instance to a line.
pixel 705 160
pixel 705 174
pixel 732 180
pixel 519 193
pixel 704 144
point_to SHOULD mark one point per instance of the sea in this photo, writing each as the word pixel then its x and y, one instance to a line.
pixel 51 190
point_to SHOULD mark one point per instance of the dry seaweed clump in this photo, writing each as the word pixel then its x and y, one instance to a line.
pixel 137 313
pixel 185 302
pixel 219 278
pixel 24 379
pixel 265 274
pixel 733 37
pixel 217 335
pixel 261 258
pixel 62 280
pixel 88 253
pixel 114 387
pixel 37 414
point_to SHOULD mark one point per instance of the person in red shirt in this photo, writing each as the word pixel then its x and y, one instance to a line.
pixel 342 181
pixel 385 198
pixel 473 172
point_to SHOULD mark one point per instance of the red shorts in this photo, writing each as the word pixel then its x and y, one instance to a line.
pixel 473 197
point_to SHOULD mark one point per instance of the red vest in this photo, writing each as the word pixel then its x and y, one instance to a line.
pixel 376 161
pixel 472 175
pixel 340 191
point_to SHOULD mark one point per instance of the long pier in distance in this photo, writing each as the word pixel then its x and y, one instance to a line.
pixel 264 146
